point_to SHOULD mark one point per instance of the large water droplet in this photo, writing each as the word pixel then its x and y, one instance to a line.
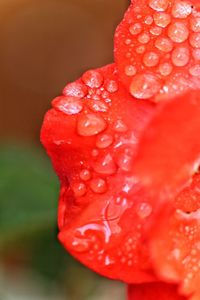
pixel 79 189
pixel 90 124
pixel 195 24
pixel 144 38
pixel 178 32
pixel 144 210
pixel 93 79
pixel 104 140
pixel 85 175
pixel 195 40
pixel 151 59
pixel 75 89
pixel 164 44
pixel 165 69
pixel 195 70
pixel 145 86
pixel 135 28
pixel 181 9
pixel 130 70
pixel 159 5
pixel 111 86
pixel 68 105
pixel 162 19
pixel 105 165
pixel 155 30
pixel 180 56
pixel 98 185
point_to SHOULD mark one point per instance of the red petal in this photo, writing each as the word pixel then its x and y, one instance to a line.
pixel 177 256
pixel 92 141
pixel 157 48
pixel 153 291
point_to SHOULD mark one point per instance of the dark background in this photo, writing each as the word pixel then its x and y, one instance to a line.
pixel 43 45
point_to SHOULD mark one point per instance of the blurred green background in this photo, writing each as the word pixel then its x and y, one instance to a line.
pixel 43 45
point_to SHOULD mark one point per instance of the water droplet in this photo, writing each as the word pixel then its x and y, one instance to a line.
pixel 181 9
pixel 140 49
pixel 95 152
pixel 162 19
pixel 90 124
pixel 135 28
pixel 144 210
pixel 104 140
pixel 105 165
pixel 98 185
pixel 180 56
pixel 195 40
pixel 68 105
pixel 93 79
pixel 120 126
pixel 178 32
pixel 148 20
pixel 144 38
pixel 79 189
pixel 80 245
pixel 151 59
pixel 125 160
pixel 195 24
pixel 128 41
pixel 130 70
pixel 164 44
pixel 165 69
pixel 145 86
pixel 196 54
pixel 155 30
pixel 159 5
pixel 75 89
pixel 97 106
pixel 85 175
pixel 195 71
pixel 111 86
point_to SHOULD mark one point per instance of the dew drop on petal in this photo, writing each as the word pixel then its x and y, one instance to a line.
pixel 105 165
pixel 104 140
pixel 135 28
pixel 111 86
pixel 144 210
pixel 90 124
pixel 178 32
pixel 148 20
pixel 98 185
pixel 164 44
pixel 195 24
pixel 151 59
pixel 196 54
pixel 130 70
pixel 155 30
pixel 120 126
pixel 75 89
pixel 125 161
pixel 181 9
pixel 180 56
pixel 165 69
pixel 144 38
pixel 159 5
pixel 195 40
pixel 79 189
pixel 162 19
pixel 145 86
pixel 195 70
pixel 68 105
pixel 85 175
pixel 93 79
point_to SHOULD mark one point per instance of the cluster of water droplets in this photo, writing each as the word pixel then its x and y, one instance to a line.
pixel 159 44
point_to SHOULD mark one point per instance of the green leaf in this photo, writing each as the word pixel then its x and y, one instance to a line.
pixel 28 192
